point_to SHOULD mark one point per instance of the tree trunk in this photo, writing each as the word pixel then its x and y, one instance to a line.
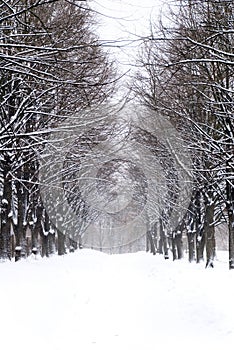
pixel 174 252
pixel 44 245
pixel 177 241
pixel 200 246
pixel 37 229
pixel 45 237
pixel 230 209
pixel 209 233
pixel 150 242
pixel 5 233
pixel 191 246
pixel 231 238
pixel 200 239
pixel 179 245
pixel 163 242
pixel 61 244
pixel 20 228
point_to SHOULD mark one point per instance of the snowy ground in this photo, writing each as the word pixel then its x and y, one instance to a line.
pixel 89 300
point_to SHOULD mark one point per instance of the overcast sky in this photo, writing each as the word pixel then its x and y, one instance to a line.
pixel 122 22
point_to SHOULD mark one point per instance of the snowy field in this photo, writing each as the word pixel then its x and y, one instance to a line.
pixel 90 300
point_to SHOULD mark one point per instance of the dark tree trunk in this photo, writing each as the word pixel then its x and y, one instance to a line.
pixel 200 246
pixel 163 241
pixel 51 244
pixel 73 245
pixel 61 244
pixel 5 233
pixel 192 224
pixel 174 251
pixel 37 229
pixel 231 238
pixel 200 239
pixel 20 227
pixel 209 233
pixel 155 236
pixel 230 209
pixel 177 241
pixel 191 246
pixel 45 237
pixel 44 245
pixel 177 246
pixel 150 242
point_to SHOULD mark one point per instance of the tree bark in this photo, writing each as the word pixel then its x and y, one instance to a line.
pixel 61 243
pixel 163 241
pixel 200 246
pixel 209 233
pixel 150 242
pixel 230 210
pixel 191 246
pixel 5 233
pixel 178 245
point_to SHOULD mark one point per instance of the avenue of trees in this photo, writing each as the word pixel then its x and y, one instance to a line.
pixel 187 74
pixel 51 67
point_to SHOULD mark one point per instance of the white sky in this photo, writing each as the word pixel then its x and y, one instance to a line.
pixel 125 21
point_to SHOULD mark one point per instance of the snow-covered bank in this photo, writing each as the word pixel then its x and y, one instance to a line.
pixel 90 300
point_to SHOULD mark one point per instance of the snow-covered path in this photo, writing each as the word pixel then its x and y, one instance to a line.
pixel 89 300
